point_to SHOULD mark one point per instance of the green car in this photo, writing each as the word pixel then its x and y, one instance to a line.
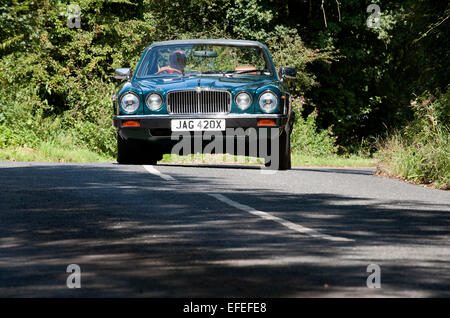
pixel 207 96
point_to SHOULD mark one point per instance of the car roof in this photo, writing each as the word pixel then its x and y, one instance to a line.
pixel 210 41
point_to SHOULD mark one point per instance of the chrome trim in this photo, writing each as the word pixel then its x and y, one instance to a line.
pixel 243 92
pixel 287 103
pixel 162 101
pixel 205 116
pixel 199 104
pixel 268 91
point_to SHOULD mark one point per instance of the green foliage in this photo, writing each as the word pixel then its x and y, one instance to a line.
pixel 288 49
pixel 421 151
pixel 306 138
pixel 252 19
pixel 380 69
pixel 57 80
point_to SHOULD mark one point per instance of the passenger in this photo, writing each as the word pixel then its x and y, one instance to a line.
pixel 177 60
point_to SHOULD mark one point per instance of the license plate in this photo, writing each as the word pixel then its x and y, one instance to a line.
pixel 198 124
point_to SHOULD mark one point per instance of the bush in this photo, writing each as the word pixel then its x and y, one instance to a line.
pixel 420 152
pixel 306 138
pixel 288 49
pixel 56 81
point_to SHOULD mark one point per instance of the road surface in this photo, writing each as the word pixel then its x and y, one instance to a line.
pixel 219 231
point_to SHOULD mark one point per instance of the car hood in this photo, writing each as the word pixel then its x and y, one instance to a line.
pixel 213 82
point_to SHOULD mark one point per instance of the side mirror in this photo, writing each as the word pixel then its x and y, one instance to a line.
pixel 288 72
pixel 122 73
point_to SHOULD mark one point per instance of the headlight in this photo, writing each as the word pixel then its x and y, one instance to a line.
pixel 129 102
pixel 243 100
pixel 268 101
pixel 154 101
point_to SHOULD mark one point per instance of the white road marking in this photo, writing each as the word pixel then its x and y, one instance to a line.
pixel 264 215
pixel 285 223
pixel 153 170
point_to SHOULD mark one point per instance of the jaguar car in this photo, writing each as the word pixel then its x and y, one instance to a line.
pixel 197 92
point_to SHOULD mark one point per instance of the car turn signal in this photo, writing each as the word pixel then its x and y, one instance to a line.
pixel 131 123
pixel 266 122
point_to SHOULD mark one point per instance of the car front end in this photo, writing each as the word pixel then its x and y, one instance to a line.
pixel 211 93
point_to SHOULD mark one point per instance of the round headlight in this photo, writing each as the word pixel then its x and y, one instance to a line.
pixel 243 100
pixel 129 102
pixel 154 101
pixel 268 101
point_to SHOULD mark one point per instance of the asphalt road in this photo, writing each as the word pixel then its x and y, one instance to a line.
pixel 218 231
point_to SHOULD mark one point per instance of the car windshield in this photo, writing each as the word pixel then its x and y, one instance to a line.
pixel 205 59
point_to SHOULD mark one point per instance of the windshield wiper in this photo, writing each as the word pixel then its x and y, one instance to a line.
pixel 247 71
pixel 214 72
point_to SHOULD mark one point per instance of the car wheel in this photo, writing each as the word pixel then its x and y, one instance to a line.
pixel 136 152
pixel 284 150
pixel 152 156
pixel 125 151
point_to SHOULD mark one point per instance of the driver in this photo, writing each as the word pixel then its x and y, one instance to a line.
pixel 177 60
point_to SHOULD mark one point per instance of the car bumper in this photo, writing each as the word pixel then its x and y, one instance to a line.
pixel 231 120
pixel 156 130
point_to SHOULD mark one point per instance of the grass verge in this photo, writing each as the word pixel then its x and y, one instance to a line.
pixel 420 151
pixel 48 152
pixel 297 160
pixel 332 161
pixel 426 163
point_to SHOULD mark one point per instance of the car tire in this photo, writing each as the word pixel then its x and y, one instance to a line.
pixel 136 152
pixel 284 150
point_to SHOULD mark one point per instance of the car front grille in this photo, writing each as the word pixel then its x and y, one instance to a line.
pixel 199 102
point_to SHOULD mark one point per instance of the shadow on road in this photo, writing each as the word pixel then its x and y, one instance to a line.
pixel 359 171
pixel 215 166
pixel 136 235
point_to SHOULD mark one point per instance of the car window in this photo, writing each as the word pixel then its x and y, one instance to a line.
pixel 173 60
